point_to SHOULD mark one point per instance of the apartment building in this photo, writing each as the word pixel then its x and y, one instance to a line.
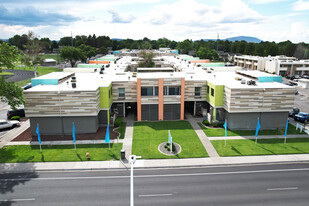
pixel 94 96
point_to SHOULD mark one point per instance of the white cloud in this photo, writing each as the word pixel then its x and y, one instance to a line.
pixel 265 1
pixel 121 18
pixel 301 5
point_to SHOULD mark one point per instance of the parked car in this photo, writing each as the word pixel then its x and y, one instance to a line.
pixel 4 124
pixel 288 76
pixel 294 112
pixel 15 113
pixel 301 117
pixel 305 76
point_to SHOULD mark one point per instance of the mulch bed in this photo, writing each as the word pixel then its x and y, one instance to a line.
pixel 100 135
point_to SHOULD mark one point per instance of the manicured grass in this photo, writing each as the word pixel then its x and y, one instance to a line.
pixel 58 153
pixel 6 73
pixel 211 132
pixel 263 147
pixel 41 71
pixel 147 136
pixel 121 129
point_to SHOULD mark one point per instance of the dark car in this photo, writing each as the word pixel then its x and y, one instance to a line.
pixel 13 113
pixel 294 112
pixel 288 77
pixel 301 117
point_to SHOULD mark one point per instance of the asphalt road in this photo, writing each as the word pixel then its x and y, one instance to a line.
pixel 279 184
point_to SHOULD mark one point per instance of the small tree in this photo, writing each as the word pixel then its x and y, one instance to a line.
pixel 71 54
pixel 147 59
pixel 88 51
pixel 8 55
pixel 207 53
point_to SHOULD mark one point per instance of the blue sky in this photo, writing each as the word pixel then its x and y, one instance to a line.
pixel 269 20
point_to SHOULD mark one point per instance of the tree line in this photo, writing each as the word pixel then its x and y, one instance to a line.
pixel 101 45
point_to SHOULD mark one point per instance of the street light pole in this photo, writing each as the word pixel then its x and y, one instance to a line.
pixel 132 161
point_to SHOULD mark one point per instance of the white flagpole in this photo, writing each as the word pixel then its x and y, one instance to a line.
pixel 118 147
pixel 40 148
pixel 225 132
pixel 75 146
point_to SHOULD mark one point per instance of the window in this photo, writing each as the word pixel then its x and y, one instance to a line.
pixel 156 91
pixel 147 91
pixel 174 91
pixel 165 92
pixel 171 90
pixel 212 92
pixel 121 93
pixel 207 89
pixel 198 91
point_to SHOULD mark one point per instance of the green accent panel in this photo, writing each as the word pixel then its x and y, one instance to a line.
pixel 214 114
pixel 107 59
pixel 106 97
pixel 217 100
pixel 90 65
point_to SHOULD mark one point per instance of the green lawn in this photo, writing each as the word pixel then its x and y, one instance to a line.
pixel 121 129
pixel 148 135
pixel 211 132
pixel 58 153
pixel 6 73
pixel 41 71
pixel 263 147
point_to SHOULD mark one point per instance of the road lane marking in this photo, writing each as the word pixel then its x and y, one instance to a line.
pixel 155 195
pixel 282 188
pixel 18 200
pixel 164 175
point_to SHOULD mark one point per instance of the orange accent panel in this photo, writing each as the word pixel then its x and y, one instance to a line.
pixel 98 62
pixel 200 61
pixel 182 104
pixel 139 104
pixel 160 99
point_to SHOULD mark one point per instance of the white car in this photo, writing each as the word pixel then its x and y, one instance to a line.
pixel 4 124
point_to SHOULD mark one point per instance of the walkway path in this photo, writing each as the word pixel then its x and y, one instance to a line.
pixel 200 133
pixel 260 137
pixel 128 136
pixel 63 142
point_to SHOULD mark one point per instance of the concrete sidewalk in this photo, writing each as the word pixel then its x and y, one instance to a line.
pixel 200 133
pixel 64 142
pixel 260 137
pixel 128 136
pixel 153 163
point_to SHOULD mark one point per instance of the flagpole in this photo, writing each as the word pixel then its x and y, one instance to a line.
pixel 225 132
pixel 118 147
pixel 286 130
pixel 40 148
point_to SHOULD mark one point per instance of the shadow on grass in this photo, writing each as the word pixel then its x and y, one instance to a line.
pixel 79 157
pixel 166 125
pixel 42 157
pixel 236 150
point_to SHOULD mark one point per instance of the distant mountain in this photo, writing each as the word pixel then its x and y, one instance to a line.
pixel 5 40
pixel 116 39
pixel 248 39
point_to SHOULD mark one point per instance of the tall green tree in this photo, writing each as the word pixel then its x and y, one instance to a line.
pixel 9 92
pixel 147 59
pixel 88 52
pixel 185 46
pixel 207 53
pixel 71 54
pixel 31 56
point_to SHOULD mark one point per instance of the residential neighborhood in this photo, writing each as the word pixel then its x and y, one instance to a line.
pixel 183 115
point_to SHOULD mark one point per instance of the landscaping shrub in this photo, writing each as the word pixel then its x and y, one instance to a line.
pixel 215 124
pixel 220 124
pixel 118 121
pixel 205 122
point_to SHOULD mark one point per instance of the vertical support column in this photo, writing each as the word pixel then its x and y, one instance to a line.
pixel 160 100
pixel 214 116
pixel 108 116
pixel 194 109
pixel 124 109
pixel 139 105
pixel 182 104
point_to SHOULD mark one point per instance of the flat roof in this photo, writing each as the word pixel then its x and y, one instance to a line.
pixel 55 75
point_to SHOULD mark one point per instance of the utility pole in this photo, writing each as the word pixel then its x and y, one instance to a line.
pixel 72 38
pixel 217 42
